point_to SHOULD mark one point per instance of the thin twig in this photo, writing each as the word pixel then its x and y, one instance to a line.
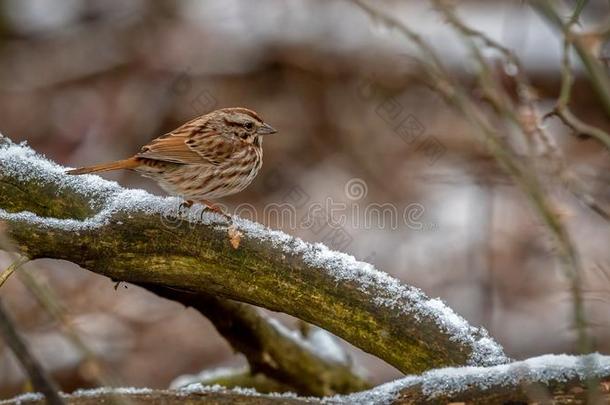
pixel 6 274
pixel 580 6
pixel 530 183
pixel 598 76
pixel 581 128
pixel 561 109
pixel 459 97
pixel 41 381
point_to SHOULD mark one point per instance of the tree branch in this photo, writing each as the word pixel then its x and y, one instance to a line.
pixel 268 349
pixel 127 235
pixel 557 379
pixel 290 360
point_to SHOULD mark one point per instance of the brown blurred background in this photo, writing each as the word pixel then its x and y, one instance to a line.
pixel 88 81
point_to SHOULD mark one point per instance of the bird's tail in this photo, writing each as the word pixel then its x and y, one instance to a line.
pixel 130 163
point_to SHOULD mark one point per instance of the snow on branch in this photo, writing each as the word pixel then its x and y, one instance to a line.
pixel 560 379
pixel 544 379
pixel 133 236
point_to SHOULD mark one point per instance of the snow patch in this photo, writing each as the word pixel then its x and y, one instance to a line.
pixel 381 395
pixel 36 396
pixel 206 376
pixel 27 397
pixel 453 380
pixel 22 162
pixel 543 369
pixel 200 388
pixel 327 346
pixel 91 392
pixel 319 342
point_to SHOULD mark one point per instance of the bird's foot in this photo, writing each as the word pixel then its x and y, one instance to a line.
pixel 232 232
pixel 184 205
pixel 215 208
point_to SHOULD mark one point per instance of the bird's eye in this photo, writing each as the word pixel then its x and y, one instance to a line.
pixel 249 125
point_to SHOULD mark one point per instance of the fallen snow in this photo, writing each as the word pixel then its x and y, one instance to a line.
pixel 110 391
pixel 22 163
pixel 327 346
pixel 318 342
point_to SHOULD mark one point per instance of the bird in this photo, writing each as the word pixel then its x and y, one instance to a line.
pixel 209 157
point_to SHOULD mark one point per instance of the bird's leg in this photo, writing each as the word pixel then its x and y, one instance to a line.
pixel 234 234
pixel 213 207
pixel 184 204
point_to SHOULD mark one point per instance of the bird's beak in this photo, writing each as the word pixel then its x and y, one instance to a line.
pixel 266 129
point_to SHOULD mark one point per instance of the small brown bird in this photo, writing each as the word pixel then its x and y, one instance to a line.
pixel 209 157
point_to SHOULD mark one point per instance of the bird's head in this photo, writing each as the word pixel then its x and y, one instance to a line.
pixel 243 124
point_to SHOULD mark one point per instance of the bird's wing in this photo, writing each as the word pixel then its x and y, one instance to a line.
pixel 192 143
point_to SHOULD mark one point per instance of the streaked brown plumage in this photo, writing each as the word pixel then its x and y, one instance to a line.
pixel 209 157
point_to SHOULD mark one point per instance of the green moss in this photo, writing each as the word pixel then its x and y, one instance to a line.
pixel 43 200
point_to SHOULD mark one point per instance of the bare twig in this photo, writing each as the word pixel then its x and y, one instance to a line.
pixel 524 178
pixel 41 381
pixel 597 74
pixel 580 6
pixel 529 181
pixel 561 109
pixel 6 274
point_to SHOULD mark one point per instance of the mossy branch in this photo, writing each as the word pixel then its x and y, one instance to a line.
pixel 125 235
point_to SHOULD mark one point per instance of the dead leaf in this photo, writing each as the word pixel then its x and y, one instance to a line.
pixel 234 236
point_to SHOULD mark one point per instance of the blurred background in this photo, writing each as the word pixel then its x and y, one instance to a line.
pixel 88 81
